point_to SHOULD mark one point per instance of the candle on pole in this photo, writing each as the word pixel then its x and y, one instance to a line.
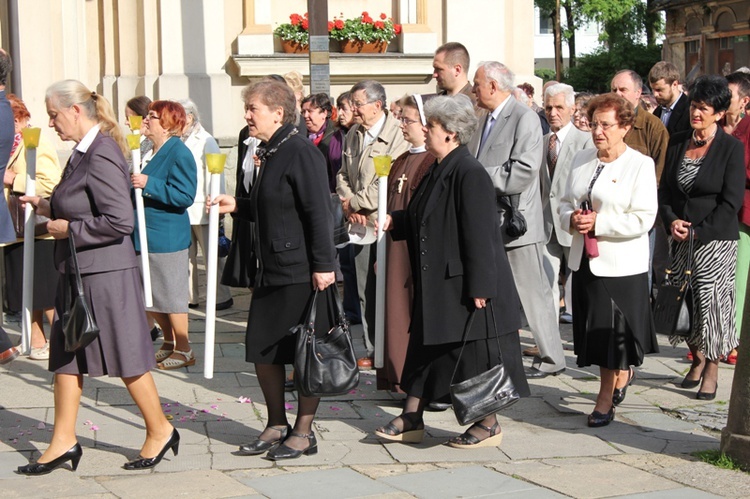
pixel 382 168
pixel 215 163
pixel 134 143
pixel 30 142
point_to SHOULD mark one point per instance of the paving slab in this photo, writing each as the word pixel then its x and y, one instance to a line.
pixel 531 442
pixel 603 478
pixel 432 450
pixel 681 493
pixel 330 484
pixel 470 481
pixel 193 483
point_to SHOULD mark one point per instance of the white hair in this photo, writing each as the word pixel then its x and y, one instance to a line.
pixel 499 73
pixel 562 88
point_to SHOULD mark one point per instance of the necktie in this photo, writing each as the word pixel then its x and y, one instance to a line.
pixel 552 154
pixel 665 112
pixel 487 129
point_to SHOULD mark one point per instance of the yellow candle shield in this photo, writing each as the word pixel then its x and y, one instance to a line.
pixel 215 162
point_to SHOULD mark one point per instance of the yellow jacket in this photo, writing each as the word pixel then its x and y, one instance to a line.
pixel 48 171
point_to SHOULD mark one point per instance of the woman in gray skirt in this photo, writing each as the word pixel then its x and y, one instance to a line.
pixel 169 181
pixel 92 202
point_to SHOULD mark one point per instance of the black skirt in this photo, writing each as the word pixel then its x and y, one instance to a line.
pixel 274 311
pixel 428 368
pixel 45 275
pixel 612 323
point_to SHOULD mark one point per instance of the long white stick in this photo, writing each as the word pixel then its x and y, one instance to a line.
pixel 141 216
pixel 28 252
pixel 380 274
pixel 211 276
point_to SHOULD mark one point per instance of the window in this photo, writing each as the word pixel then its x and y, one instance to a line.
pixel 546 26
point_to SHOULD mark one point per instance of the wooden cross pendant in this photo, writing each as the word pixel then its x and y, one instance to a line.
pixel 401 181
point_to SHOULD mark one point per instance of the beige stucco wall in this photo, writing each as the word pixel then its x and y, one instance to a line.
pixel 171 49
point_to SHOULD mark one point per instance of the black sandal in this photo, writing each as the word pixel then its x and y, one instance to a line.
pixel 468 441
pixel 413 435
pixel 259 446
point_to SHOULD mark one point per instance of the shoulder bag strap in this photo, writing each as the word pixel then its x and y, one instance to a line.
pixel 689 265
pixel 74 260
pixel 310 317
pixel 469 321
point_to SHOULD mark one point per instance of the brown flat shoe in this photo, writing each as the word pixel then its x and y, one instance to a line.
pixel 531 352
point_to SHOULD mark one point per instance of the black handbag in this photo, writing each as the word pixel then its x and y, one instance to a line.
pixel 481 396
pixel 241 264
pixel 673 307
pixel 79 326
pixel 325 365
pixel 516 221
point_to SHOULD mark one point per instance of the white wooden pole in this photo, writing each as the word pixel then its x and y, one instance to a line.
pixel 382 168
pixel 215 163
pixel 134 141
pixel 31 141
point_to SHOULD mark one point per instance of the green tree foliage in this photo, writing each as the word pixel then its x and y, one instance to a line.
pixel 595 71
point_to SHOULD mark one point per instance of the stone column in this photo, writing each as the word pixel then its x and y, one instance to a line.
pixel 192 58
pixel 735 437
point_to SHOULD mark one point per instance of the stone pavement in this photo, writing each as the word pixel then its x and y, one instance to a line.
pixel 547 452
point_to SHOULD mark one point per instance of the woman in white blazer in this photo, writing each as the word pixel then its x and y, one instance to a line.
pixel 612 324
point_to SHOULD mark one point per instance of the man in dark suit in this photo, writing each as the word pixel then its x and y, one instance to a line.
pixel 673 110
pixel 508 143
pixel 7 234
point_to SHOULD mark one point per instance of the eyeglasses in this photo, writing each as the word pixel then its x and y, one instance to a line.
pixel 357 105
pixel 150 116
pixel 605 126
pixel 407 121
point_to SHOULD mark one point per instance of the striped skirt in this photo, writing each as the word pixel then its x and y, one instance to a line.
pixel 714 331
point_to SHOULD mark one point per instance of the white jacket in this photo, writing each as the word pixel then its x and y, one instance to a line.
pixel 624 198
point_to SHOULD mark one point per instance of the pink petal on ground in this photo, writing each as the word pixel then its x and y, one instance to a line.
pixel 288 406
pixel 368 382
pixel 214 407
pixel 334 408
pixel 206 411
pixel 15 440
pixel 94 428
pixel 41 426
pixel 87 422
pixel 353 391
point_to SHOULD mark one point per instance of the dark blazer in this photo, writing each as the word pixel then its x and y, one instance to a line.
pixel 7 133
pixel 169 191
pixel 290 205
pixel 94 196
pixel 716 197
pixel 679 120
pixel 457 252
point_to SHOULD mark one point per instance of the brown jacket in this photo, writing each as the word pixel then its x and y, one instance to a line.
pixel 649 136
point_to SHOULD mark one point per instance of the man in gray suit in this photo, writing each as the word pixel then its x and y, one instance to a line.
pixel 560 145
pixel 508 143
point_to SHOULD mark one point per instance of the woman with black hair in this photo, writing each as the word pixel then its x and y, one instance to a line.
pixel 702 188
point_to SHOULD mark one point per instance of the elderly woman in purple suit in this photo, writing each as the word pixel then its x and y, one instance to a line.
pixel 92 202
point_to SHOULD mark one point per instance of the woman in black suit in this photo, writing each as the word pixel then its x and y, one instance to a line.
pixel 289 203
pixel 458 263
pixel 702 187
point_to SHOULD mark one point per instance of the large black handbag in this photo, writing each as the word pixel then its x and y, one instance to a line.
pixel 325 364
pixel 485 394
pixel 673 307
pixel 79 326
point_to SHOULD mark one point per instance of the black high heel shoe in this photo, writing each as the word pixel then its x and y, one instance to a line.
pixel 259 446
pixel 619 394
pixel 284 452
pixel 73 455
pixel 142 463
